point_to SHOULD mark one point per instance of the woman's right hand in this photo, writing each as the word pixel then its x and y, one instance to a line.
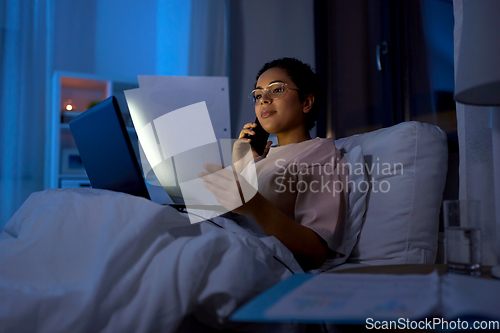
pixel 243 152
pixel 247 129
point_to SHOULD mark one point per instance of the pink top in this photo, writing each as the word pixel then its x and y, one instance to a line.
pixel 308 182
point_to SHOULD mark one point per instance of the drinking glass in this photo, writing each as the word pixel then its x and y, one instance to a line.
pixel 462 236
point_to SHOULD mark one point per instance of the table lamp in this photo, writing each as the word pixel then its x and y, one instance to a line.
pixel 478 73
pixel 478 70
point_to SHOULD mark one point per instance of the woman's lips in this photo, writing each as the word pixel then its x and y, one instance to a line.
pixel 265 114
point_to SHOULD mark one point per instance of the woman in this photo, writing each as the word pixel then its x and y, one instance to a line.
pixel 302 183
pixel 124 264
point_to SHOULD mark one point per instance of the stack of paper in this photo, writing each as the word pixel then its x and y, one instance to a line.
pixel 353 298
pixel 182 124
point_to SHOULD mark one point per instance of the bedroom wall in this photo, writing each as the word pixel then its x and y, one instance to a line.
pixel 74 35
pixel 121 38
pixel 125 43
pixel 147 37
pixel 124 38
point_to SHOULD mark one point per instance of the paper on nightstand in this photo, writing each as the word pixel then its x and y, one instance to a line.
pixel 470 296
pixel 356 297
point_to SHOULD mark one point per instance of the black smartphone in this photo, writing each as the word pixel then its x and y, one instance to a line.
pixel 259 139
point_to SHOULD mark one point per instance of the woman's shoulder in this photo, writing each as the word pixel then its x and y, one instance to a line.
pixel 315 143
pixel 319 151
pixel 320 146
pixel 325 143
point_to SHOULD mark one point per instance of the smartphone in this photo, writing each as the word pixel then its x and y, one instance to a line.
pixel 259 139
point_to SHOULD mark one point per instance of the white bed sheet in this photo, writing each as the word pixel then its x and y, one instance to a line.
pixel 83 260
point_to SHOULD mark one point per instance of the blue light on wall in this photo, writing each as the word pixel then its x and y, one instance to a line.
pixel 173 29
pixel 142 38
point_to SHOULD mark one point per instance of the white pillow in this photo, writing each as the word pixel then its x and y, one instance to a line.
pixel 406 166
pixel 358 192
pixel 356 205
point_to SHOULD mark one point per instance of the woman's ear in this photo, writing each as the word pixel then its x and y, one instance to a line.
pixel 308 103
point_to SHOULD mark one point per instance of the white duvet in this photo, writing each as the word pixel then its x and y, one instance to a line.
pixel 90 260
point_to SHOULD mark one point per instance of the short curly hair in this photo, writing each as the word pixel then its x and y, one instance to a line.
pixel 306 81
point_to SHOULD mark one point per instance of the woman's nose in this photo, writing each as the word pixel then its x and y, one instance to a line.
pixel 266 99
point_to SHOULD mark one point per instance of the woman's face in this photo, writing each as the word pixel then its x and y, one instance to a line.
pixel 283 114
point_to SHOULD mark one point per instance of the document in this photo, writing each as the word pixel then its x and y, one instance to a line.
pixel 470 296
pixel 355 297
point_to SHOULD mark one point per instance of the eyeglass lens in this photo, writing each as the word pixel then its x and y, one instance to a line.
pixel 274 91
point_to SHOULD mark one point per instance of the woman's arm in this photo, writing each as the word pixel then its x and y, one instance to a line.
pixel 307 247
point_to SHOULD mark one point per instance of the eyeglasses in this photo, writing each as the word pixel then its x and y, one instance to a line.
pixel 274 90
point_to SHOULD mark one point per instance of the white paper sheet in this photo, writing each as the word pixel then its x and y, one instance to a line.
pixel 470 296
pixel 170 93
pixel 356 297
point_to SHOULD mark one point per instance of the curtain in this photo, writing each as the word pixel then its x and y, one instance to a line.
pixel 479 146
pixel 22 101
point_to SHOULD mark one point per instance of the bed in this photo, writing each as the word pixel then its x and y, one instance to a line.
pixel 86 260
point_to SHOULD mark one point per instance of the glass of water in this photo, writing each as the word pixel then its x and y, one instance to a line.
pixel 462 222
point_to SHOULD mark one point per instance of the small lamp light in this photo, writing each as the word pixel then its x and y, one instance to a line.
pixel 478 68
pixel 69 105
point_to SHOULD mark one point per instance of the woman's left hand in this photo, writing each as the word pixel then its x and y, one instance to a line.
pixel 231 192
